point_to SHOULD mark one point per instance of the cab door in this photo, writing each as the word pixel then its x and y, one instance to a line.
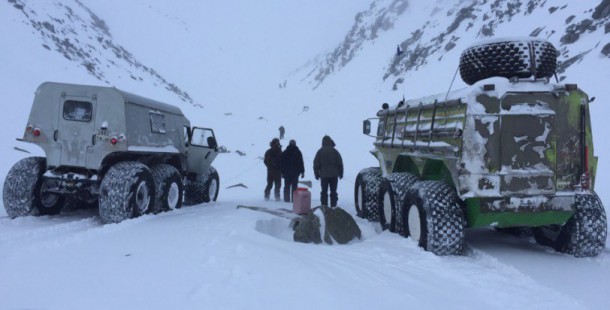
pixel 75 128
pixel 202 150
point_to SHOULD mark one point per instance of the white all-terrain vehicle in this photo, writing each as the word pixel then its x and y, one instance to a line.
pixel 128 154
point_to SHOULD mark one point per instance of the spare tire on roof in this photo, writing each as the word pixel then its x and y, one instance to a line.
pixel 509 58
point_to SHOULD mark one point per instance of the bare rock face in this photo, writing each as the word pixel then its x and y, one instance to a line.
pixel 73 30
pixel 338 226
pixel 606 50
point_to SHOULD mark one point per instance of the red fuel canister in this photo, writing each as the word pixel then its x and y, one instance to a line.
pixel 301 201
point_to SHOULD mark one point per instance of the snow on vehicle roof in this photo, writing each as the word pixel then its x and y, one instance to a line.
pixel 132 98
pixel 467 94
pixel 505 39
pixel 128 97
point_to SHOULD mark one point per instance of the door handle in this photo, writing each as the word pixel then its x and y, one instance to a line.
pixel 55 133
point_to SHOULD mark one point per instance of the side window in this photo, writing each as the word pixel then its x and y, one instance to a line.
pixel 157 122
pixel 203 137
pixel 80 111
pixel 380 128
pixel 400 127
pixel 187 135
pixel 389 128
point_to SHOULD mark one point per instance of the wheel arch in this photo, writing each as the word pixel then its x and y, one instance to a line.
pixel 438 170
pixel 406 164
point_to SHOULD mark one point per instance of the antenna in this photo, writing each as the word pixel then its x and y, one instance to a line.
pixel 451 85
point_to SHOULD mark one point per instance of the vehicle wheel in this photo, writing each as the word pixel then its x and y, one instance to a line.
pixel 49 203
pixel 168 188
pixel 202 188
pixel 434 218
pixel 366 192
pixel 583 235
pixel 391 195
pixel 546 235
pixel 210 192
pixel 24 190
pixel 193 191
pixel 127 190
pixel 508 58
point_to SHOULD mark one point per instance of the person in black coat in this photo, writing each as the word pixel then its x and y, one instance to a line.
pixel 292 166
pixel 273 161
pixel 328 166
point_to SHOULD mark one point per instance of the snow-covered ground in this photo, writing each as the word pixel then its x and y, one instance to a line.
pixel 230 57
pixel 220 257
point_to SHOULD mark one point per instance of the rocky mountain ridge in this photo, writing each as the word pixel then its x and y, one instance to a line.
pixel 75 31
pixel 452 24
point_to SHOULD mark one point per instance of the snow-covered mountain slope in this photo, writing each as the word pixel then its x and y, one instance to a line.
pixel 244 68
pixel 431 29
pixel 76 32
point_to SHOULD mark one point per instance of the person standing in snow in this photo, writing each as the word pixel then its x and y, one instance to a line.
pixel 273 158
pixel 282 131
pixel 328 168
pixel 292 166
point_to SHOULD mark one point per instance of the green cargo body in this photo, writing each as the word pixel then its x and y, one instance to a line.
pixel 516 153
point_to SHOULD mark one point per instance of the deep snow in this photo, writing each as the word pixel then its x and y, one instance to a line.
pixel 231 57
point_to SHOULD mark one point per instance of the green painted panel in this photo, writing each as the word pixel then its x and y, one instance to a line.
pixel 476 218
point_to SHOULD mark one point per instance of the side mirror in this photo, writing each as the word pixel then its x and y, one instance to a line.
pixel 592 99
pixel 366 127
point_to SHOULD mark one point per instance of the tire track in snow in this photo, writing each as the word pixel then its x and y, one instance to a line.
pixel 34 234
pixel 28 232
pixel 382 261
pixel 580 278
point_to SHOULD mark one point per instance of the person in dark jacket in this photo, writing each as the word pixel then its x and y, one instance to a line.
pixel 328 168
pixel 273 158
pixel 292 166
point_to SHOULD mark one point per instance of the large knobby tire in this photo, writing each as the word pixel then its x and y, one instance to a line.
pixel 49 203
pixel 525 58
pixel 366 192
pixel 193 192
pixel 202 188
pixel 434 218
pixel 168 188
pixel 24 190
pixel 127 190
pixel 583 235
pixel 391 196
pixel 212 185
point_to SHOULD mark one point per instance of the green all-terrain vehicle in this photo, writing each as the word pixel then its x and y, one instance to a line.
pixel 512 151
